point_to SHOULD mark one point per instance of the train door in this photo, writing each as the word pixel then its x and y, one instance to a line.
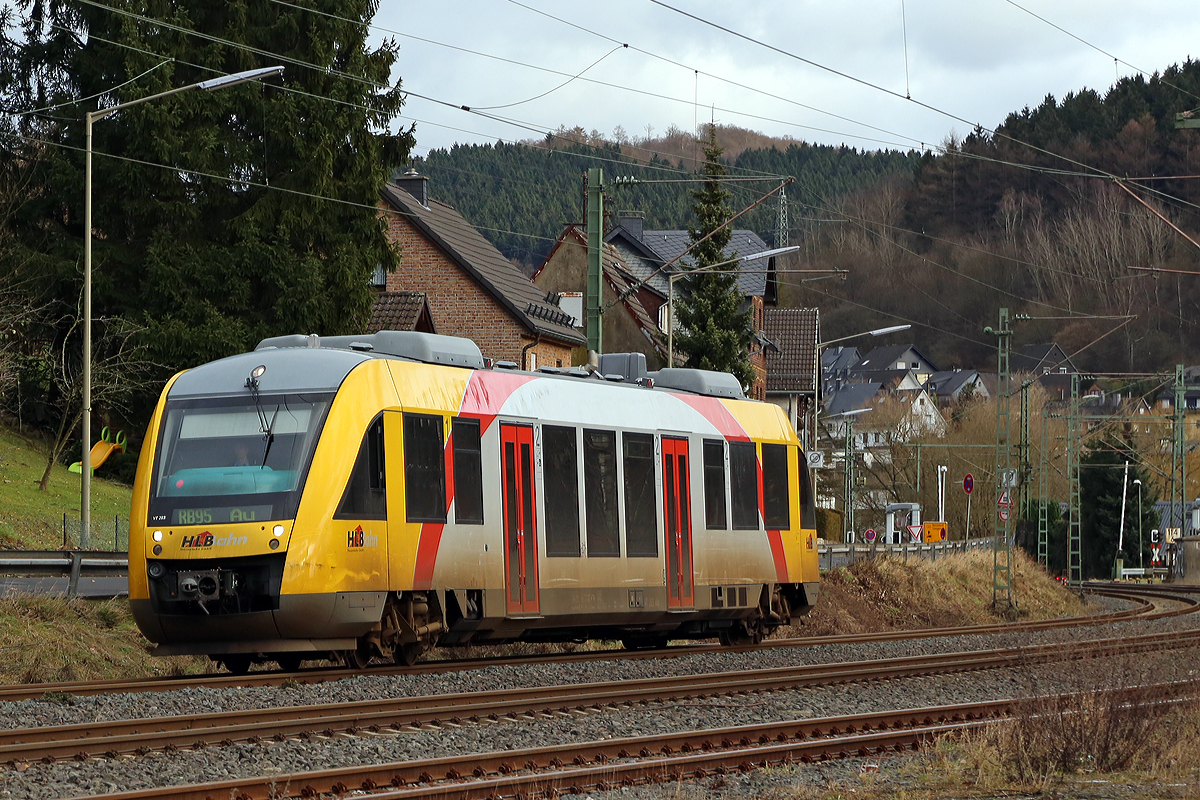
pixel 678 529
pixel 520 538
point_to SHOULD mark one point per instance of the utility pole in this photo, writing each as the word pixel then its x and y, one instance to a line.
pixel 1178 453
pixel 1043 500
pixel 1001 543
pixel 1075 524
pixel 848 517
pixel 781 226
pixel 595 237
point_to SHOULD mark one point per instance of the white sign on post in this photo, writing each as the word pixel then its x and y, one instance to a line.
pixel 915 532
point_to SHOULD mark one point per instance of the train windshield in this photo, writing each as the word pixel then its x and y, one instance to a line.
pixel 234 460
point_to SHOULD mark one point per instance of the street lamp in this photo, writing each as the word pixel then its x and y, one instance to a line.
pixel 817 366
pixel 213 84
pixel 1138 483
pixel 671 289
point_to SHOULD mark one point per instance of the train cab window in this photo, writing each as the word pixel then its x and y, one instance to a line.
pixel 641 508
pixel 715 516
pixel 600 480
pixel 743 481
pixel 561 490
pixel 777 503
pixel 366 491
pixel 424 468
pixel 468 472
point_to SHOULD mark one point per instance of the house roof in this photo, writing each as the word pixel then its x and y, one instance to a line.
pixel 794 332
pixel 947 384
pixel 482 261
pixel 642 262
pixel 836 359
pixel 852 396
pixel 400 311
pixel 886 357
pixel 1034 356
pixel 752 278
pixel 891 378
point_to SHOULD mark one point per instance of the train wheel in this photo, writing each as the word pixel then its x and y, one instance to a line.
pixel 742 634
pixel 289 662
pixel 358 658
pixel 236 663
pixel 408 654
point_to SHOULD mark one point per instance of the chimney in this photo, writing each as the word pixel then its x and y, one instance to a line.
pixel 415 184
pixel 632 221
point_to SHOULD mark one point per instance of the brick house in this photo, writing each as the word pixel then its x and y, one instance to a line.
pixel 471 289
pixel 628 326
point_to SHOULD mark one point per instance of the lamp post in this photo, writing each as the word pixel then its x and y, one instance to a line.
pixel 817 367
pixel 1138 483
pixel 674 275
pixel 223 82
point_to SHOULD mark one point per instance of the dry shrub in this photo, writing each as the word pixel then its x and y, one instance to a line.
pixel 1111 717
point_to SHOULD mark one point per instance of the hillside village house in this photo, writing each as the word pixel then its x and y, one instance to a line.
pixel 646 252
pixel 629 326
pixel 791 365
pixel 471 289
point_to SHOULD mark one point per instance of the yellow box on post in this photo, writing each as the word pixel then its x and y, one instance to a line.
pixel 935 532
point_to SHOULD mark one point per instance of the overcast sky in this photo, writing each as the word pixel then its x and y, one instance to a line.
pixel 977 60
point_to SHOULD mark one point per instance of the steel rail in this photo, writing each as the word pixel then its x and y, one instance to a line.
pixel 144 735
pixel 611 763
pixel 16 692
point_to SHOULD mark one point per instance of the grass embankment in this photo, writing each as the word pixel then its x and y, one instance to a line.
pixel 888 594
pixel 31 519
pixel 51 639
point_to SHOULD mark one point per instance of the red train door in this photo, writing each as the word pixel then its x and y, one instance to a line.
pixel 678 509
pixel 520 539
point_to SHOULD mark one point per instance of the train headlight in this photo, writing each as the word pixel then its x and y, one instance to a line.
pixel 158 536
pixel 156 569
pixel 278 530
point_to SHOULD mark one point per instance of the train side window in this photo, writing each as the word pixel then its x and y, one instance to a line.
pixel 366 491
pixel 468 472
pixel 777 503
pixel 715 516
pixel 424 468
pixel 560 479
pixel 743 480
pixel 600 482
pixel 641 508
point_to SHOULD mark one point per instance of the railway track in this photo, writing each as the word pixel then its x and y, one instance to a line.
pixel 1140 597
pixel 141 736
pixel 613 763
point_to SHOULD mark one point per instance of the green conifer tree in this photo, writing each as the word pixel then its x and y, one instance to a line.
pixel 218 217
pixel 715 319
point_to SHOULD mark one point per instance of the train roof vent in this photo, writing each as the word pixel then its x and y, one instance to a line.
pixel 631 366
pixel 699 381
pixel 430 348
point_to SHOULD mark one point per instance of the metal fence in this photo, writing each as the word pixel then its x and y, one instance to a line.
pixel 831 556
pixel 106 534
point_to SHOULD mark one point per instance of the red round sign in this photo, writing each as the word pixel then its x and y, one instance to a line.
pixel 968 483
pixel 870 534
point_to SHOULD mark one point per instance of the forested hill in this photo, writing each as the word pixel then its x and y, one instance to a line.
pixel 522 195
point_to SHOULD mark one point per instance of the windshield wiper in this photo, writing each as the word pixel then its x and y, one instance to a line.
pixel 270 437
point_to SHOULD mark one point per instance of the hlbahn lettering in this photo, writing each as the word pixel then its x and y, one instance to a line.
pixel 359 538
pixel 206 539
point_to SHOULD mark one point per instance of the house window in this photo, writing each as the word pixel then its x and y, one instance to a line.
pixel 572 303
pixel 424 468
pixel 561 490
pixel 1062 370
pixel 468 472
pixel 366 491
pixel 743 468
pixel 532 361
pixel 777 502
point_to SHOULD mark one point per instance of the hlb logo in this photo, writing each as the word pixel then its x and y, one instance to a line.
pixel 206 539
pixel 359 538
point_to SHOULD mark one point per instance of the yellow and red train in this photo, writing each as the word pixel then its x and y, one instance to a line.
pixel 375 496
